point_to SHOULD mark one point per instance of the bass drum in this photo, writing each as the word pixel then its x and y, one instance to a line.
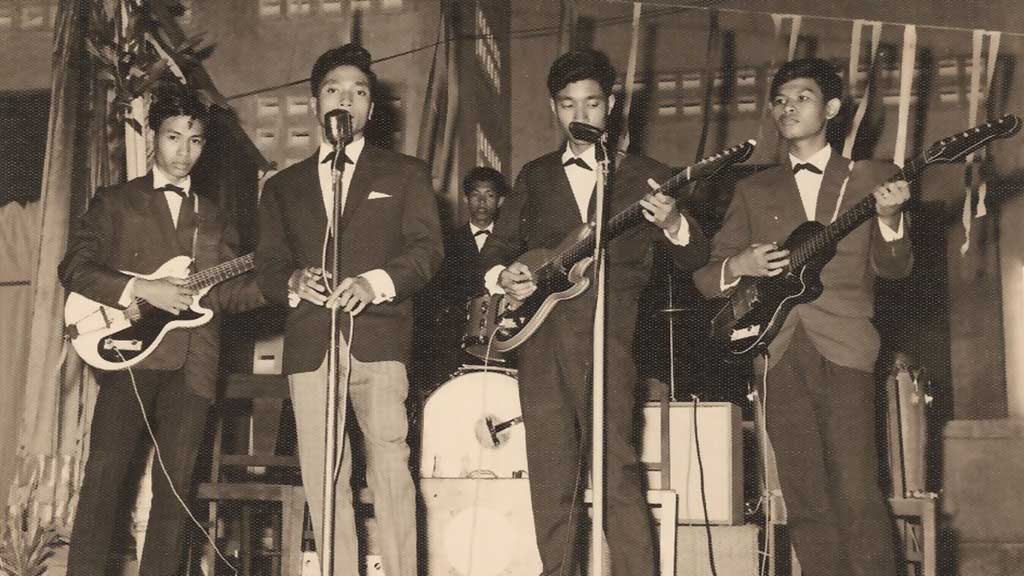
pixel 472 427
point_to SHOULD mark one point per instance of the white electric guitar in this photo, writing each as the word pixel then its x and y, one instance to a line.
pixel 111 338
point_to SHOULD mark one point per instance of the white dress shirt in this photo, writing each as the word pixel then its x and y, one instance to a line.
pixel 480 238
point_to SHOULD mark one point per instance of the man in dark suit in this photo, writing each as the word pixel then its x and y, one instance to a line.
pixel 549 200
pixel 820 397
pixel 390 246
pixel 138 226
pixel 484 189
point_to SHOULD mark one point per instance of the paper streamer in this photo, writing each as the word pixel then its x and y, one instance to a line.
pixel 972 171
pixel 627 87
pixel 906 84
pixel 862 108
pixel 794 35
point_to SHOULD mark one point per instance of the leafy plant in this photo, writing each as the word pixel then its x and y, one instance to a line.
pixel 25 547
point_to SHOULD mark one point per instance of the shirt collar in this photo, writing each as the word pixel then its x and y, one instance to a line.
pixel 474 228
pixel 160 179
pixel 353 150
pixel 589 155
pixel 819 159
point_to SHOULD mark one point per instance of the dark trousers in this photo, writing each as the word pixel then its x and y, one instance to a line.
pixel 178 417
pixel 554 387
pixel 821 421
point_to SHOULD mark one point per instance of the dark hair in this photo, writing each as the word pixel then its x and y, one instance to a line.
pixel 821 71
pixel 484 174
pixel 586 64
pixel 172 100
pixel 347 55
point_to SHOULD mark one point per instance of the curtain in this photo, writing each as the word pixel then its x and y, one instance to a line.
pixel 58 391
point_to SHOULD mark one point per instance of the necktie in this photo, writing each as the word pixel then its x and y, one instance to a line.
pixel 172 188
pixel 330 158
pixel 806 166
pixel 578 162
pixel 481 233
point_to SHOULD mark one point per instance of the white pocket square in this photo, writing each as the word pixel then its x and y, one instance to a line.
pixel 375 195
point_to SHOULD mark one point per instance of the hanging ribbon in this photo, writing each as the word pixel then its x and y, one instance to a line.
pixel 794 35
pixel 972 170
pixel 766 105
pixel 906 85
pixel 627 87
pixel 708 81
pixel 876 36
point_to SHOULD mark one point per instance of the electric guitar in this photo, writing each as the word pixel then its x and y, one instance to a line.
pixel 560 273
pixel 111 338
pixel 754 311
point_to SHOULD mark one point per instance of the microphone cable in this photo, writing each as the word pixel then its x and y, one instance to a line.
pixel 163 468
pixel 703 491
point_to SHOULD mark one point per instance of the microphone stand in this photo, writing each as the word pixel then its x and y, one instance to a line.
pixel 331 450
pixel 598 377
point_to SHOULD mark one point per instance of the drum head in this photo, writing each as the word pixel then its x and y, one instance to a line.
pixel 472 428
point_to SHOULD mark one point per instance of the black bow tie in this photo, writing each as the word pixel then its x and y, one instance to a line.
pixel 578 162
pixel 172 188
pixel 330 158
pixel 806 166
pixel 481 233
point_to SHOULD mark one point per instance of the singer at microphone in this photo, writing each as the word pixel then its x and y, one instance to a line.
pixel 553 196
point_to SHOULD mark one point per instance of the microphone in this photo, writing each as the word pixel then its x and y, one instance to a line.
pixel 585 132
pixel 339 127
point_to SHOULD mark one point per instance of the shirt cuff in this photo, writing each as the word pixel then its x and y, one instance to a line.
pixel 888 234
pixel 128 294
pixel 682 237
pixel 382 285
pixel 491 280
pixel 721 281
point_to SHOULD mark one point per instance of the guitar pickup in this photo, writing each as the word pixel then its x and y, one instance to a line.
pixel 742 333
pixel 123 345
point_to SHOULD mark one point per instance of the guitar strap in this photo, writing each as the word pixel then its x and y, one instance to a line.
pixel 842 192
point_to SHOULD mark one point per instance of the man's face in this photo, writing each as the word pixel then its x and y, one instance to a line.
pixel 800 110
pixel 582 101
pixel 346 88
pixel 482 201
pixel 178 142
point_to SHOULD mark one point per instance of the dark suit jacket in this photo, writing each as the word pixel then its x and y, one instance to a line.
pixel 541 211
pixel 461 278
pixel 398 232
pixel 766 208
pixel 129 227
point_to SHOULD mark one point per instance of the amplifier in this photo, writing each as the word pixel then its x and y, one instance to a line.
pixel 719 430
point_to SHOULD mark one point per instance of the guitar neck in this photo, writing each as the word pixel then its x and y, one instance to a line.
pixel 204 279
pixel 851 218
pixel 221 272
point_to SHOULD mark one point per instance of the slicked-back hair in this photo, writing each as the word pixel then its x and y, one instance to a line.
pixel 821 71
pixel 585 64
pixel 485 174
pixel 174 100
pixel 347 55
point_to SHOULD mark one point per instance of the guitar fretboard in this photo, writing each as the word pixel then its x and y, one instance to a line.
pixel 850 219
pixel 203 279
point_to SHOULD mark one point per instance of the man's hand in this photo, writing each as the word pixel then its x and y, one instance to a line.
pixel 889 200
pixel 352 295
pixel 517 281
pixel 308 284
pixel 168 294
pixel 661 210
pixel 758 260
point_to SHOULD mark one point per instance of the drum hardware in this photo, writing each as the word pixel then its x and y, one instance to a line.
pixel 481 322
pixel 494 429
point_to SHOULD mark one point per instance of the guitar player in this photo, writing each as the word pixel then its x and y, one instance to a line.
pixel 820 391
pixel 549 200
pixel 137 226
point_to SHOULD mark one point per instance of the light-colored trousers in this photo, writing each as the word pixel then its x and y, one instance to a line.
pixel 377 393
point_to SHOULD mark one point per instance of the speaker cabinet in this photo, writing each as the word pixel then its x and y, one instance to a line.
pixel 719 430
pixel 479 527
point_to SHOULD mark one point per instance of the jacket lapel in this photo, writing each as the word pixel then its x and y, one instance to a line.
pixel 790 207
pixel 562 194
pixel 831 182
pixel 156 207
pixel 359 187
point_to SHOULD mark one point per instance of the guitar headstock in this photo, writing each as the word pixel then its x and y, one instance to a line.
pixel 960 145
pixel 712 164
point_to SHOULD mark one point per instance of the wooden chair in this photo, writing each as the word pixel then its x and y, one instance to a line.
pixel 229 480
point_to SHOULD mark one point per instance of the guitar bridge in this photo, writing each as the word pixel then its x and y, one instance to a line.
pixel 122 345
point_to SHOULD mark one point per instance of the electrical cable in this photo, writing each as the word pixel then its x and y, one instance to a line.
pixel 703 491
